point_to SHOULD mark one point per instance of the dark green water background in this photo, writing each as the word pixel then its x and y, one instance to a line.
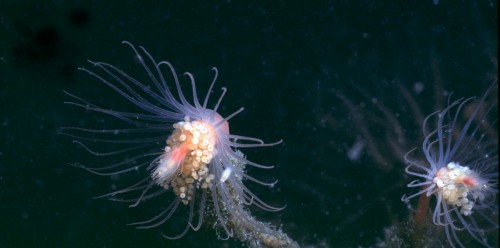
pixel 282 60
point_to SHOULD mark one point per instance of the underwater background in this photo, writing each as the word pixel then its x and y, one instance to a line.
pixel 321 75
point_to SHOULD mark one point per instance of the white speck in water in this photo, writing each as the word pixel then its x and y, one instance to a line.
pixel 418 87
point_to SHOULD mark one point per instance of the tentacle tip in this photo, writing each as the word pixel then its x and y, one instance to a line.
pixel 271 185
pixel 98 197
pixel 281 208
pixel 167 237
pixel 229 235
pixel 76 165
pixel 133 205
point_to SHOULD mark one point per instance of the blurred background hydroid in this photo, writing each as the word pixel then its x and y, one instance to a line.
pixel 345 85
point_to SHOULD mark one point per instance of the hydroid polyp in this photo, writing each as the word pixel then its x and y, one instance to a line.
pixel 457 165
pixel 179 146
